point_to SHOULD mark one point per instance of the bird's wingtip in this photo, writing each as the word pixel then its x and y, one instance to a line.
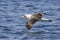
pixel 50 20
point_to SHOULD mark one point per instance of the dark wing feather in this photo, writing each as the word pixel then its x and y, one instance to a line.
pixel 33 20
pixel 30 23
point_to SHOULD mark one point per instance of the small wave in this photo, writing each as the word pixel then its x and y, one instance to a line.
pixel 3 36
pixel 1 26
pixel 29 5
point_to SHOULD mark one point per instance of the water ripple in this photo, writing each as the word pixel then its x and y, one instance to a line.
pixel 13 28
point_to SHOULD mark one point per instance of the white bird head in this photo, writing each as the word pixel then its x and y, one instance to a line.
pixel 23 16
pixel 26 16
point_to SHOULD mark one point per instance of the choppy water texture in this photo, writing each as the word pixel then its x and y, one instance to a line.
pixel 13 28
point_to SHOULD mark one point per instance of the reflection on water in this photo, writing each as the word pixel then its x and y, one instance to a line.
pixel 12 27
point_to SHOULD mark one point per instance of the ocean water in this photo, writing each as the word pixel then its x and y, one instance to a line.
pixel 12 27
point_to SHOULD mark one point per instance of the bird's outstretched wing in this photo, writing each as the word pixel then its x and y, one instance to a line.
pixel 33 20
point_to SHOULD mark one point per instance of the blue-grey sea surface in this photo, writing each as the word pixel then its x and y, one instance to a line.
pixel 12 27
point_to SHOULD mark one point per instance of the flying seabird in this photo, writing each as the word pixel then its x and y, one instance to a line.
pixel 33 18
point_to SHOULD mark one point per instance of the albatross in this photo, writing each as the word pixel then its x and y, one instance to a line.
pixel 33 18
